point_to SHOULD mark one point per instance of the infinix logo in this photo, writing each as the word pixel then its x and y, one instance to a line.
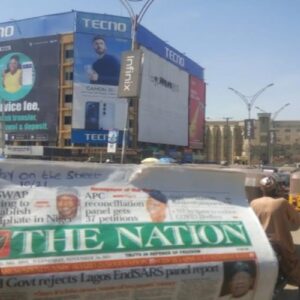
pixel 7 31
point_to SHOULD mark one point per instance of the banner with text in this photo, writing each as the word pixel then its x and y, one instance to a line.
pixel 89 231
pixel 29 81
pixel 96 107
pixel 163 103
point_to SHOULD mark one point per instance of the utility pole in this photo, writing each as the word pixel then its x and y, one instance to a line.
pixel 272 131
pixel 249 101
pixel 135 21
pixel 227 140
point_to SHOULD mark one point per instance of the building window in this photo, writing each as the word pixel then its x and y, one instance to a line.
pixel 67 142
pixel 287 130
pixel 68 120
pixel 69 53
pixel 69 75
pixel 68 98
pixel 287 138
pixel 263 139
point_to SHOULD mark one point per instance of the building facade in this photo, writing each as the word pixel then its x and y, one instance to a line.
pixel 61 98
pixel 274 142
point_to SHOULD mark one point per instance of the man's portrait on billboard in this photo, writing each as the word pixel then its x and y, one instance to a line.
pixel 106 69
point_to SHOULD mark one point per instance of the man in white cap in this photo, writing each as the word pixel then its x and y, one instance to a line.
pixel 67 202
pixel 278 219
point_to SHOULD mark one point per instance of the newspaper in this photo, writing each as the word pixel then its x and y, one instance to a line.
pixel 129 232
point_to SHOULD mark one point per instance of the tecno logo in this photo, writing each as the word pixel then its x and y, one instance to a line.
pixel 7 31
pixel 104 25
pixel 174 57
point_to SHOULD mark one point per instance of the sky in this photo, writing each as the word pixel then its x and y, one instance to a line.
pixel 243 44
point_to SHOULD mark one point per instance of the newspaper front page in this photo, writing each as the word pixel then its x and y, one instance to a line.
pixel 96 231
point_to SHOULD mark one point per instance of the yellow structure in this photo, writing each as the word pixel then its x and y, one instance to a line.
pixel 274 141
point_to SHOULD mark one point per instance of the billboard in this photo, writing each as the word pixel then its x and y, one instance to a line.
pixel 249 129
pixel 38 26
pixel 149 40
pixel 105 25
pixel 96 107
pixel 163 104
pixel 196 112
pixel 129 85
pixel 29 80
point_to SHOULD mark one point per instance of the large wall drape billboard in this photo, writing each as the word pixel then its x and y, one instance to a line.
pixel 96 108
pixel 163 104
pixel 38 26
pixel 197 113
pixel 29 80
pixel 147 39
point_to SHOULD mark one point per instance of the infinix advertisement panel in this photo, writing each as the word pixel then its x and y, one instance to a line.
pixel 96 107
pixel 163 104
pixel 129 85
pixel 29 80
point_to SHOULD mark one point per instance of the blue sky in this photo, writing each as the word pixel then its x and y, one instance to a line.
pixel 244 44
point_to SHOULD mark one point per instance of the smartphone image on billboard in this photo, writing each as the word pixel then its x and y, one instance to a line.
pixel 27 73
pixel 92 116
pixel 107 115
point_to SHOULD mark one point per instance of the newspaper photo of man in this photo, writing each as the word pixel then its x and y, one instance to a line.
pixel 106 69
pixel 67 203
pixel 156 205
pixel 239 279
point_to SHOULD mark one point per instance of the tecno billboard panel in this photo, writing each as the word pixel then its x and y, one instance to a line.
pixel 196 112
pixel 163 105
pixel 96 107
pixel 29 80
pixel 38 26
pixel 150 41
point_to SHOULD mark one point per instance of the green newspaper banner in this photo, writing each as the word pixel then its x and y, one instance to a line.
pixel 46 241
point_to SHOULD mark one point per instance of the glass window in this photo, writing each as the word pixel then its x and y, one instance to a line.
pixel 69 53
pixel 68 120
pixel 68 98
pixel 67 142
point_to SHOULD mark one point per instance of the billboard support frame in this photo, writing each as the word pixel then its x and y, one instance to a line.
pixel 135 21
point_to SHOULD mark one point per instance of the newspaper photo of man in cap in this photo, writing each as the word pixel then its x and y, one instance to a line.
pixel 156 205
pixel 67 203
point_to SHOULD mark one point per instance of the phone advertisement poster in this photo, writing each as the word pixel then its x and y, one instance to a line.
pixel 29 79
pixel 97 109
